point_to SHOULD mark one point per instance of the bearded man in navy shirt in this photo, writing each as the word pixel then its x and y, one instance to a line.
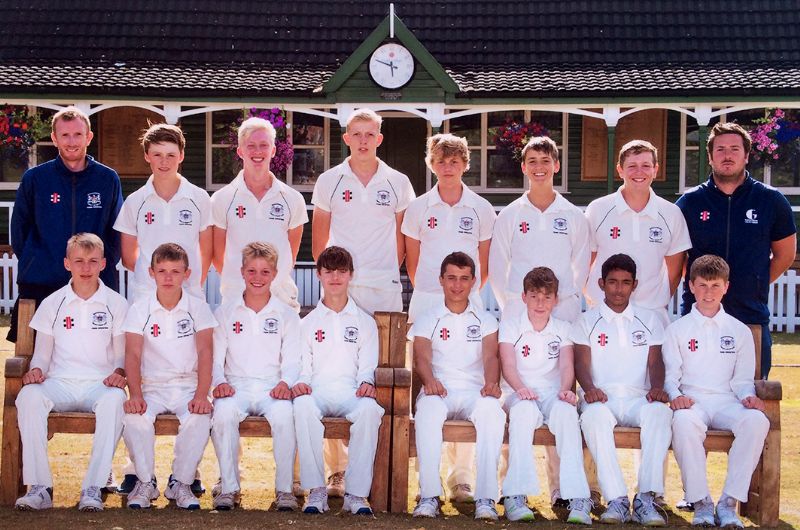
pixel 747 223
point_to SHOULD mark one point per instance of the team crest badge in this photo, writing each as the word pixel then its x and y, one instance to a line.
pixel 351 334
pixel 473 332
pixel 277 211
pixel 727 343
pixel 271 325
pixel 465 224
pixel 559 224
pixel 382 198
pixel 185 217
pixel 751 217
pixel 184 327
pixel 93 200
pixel 656 234
pixel 553 349
pixel 639 338
pixel 100 320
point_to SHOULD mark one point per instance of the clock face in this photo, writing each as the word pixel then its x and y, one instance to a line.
pixel 391 66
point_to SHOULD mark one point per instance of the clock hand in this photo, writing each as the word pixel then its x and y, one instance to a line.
pixel 383 62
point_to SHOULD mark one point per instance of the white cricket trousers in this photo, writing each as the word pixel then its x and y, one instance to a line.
pixel 654 419
pixel 689 426
pixel 525 416
pixel 252 397
pixel 485 413
pixel 193 433
pixel 365 416
pixel 370 299
pixel 34 403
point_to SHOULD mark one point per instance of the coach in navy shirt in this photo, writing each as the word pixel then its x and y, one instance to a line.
pixel 747 223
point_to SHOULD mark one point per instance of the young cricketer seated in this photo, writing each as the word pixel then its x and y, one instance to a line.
pixel 619 367
pixel 538 378
pixel 168 357
pixel 455 356
pixel 256 362
pixel 710 364
pixel 76 366
pixel 339 352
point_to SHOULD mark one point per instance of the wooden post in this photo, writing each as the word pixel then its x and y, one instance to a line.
pixel 611 166
pixel 379 493
pixel 398 488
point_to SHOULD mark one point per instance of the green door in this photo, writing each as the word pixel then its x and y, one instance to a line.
pixel 403 148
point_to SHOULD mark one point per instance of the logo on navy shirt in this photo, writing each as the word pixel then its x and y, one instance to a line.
pixel 727 343
pixel 524 227
pixel 602 339
pixel 432 223
pixel 705 215
pixel 382 198
pixel 639 338
pixel 347 195
pixel 241 211
pixel 473 333
pixel 93 200
pixel 465 225
pixel 185 217
pixel 55 198
pixel 319 335
pixel 155 330
pixel 553 349
pixel 615 232
pixel 271 326
pixel 237 327
pixel 68 322
pixel 277 212
pixel 656 234
pixel 184 327
pixel 444 333
pixel 559 225
pixel 526 350
pixel 694 344
pixel 149 218
pixel 351 334
pixel 100 320
pixel 751 217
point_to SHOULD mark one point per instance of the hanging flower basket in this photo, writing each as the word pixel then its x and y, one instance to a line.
pixel 19 131
pixel 513 135
pixel 775 137
pixel 284 150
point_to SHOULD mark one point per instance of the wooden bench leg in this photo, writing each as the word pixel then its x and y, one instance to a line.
pixel 11 485
pixel 400 441
pixel 763 503
pixel 379 494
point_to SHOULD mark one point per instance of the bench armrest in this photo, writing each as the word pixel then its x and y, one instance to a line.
pixel 384 377
pixel 402 378
pixel 17 366
pixel 769 390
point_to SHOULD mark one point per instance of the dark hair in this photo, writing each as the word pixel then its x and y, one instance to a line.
pixel 540 279
pixel 541 144
pixel 458 259
pixel 335 259
pixel 729 128
pixel 169 252
pixel 709 267
pixel 621 262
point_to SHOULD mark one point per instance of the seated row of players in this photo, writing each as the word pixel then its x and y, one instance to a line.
pixel 255 352
pixel 170 367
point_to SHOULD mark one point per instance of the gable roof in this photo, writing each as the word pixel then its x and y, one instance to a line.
pixel 241 47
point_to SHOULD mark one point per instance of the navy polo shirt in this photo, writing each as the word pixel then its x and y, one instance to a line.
pixel 739 228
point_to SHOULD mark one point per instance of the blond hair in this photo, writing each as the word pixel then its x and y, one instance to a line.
pixel 364 115
pixel 251 125
pixel 68 114
pixel 260 250
pixel 85 241
pixel 445 146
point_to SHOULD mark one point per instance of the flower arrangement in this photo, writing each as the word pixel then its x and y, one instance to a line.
pixel 512 136
pixel 284 151
pixel 19 130
pixel 775 137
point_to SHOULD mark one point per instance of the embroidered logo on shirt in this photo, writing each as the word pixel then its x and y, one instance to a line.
pixel 553 349
pixel 705 215
pixel 382 198
pixel 526 350
pixel 465 225
pixel 93 200
pixel 100 320
pixel 68 322
pixel 55 198
pixel 155 330
pixel 184 328
pixel 751 217
pixel 277 212
pixel 559 225
pixel 656 234
pixel 727 343
pixel 473 332
pixel 693 345
pixel 347 195
pixel 237 327
pixel 524 227
pixel 351 334
pixel 602 340
pixel 241 211
pixel 444 333
pixel 615 232
pixel 319 335
pixel 271 325
pixel 149 218
pixel 639 338
pixel 185 217
pixel 432 223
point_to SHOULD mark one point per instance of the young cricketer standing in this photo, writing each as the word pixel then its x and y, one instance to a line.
pixel 710 364
pixel 76 366
pixel 256 362
pixel 168 358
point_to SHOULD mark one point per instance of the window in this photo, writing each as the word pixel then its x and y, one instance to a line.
pixel 690 150
pixel 309 134
pixel 493 169
pixel 13 162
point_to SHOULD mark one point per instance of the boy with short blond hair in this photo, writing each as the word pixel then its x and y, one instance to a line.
pixel 256 362
pixel 168 359
pixel 76 366
pixel 168 208
pixel 710 364
pixel 538 379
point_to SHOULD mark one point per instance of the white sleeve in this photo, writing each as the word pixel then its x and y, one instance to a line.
pixel 368 352
pixel 306 353
pixel 581 253
pixel 488 217
pixel 508 329
pixel 117 328
pixel 422 327
pixel 488 324
pixel 589 214
pixel 299 212
pixel 204 205
pixel 220 350
pixel 745 368
pixel 411 221
pixel 135 319
pixel 118 349
pixel 219 208
pixel 673 361
pixel 563 330
pixel 405 194
pixel 203 318
pixel 500 256
pixel 656 330
pixel 43 352
pixel 291 361
pixel 126 220
pixel 579 334
pixel 320 197
pixel 680 239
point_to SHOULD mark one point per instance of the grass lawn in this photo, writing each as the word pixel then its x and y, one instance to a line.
pixel 69 455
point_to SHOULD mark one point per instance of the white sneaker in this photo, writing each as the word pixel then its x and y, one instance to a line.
pixel 427 507
pixel 182 495
pixel 703 512
pixel 285 502
pixel 580 511
pixel 517 508
pixel 225 501
pixel 142 494
pixel 37 498
pixel 726 513
pixel 91 500
pixel 317 501
pixel 485 510
pixel 356 505
pixel 645 510
pixel 336 484
pixel 461 493
pixel 617 512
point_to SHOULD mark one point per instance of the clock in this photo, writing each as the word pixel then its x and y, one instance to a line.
pixel 391 66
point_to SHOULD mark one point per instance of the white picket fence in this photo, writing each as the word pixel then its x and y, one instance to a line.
pixel 783 295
